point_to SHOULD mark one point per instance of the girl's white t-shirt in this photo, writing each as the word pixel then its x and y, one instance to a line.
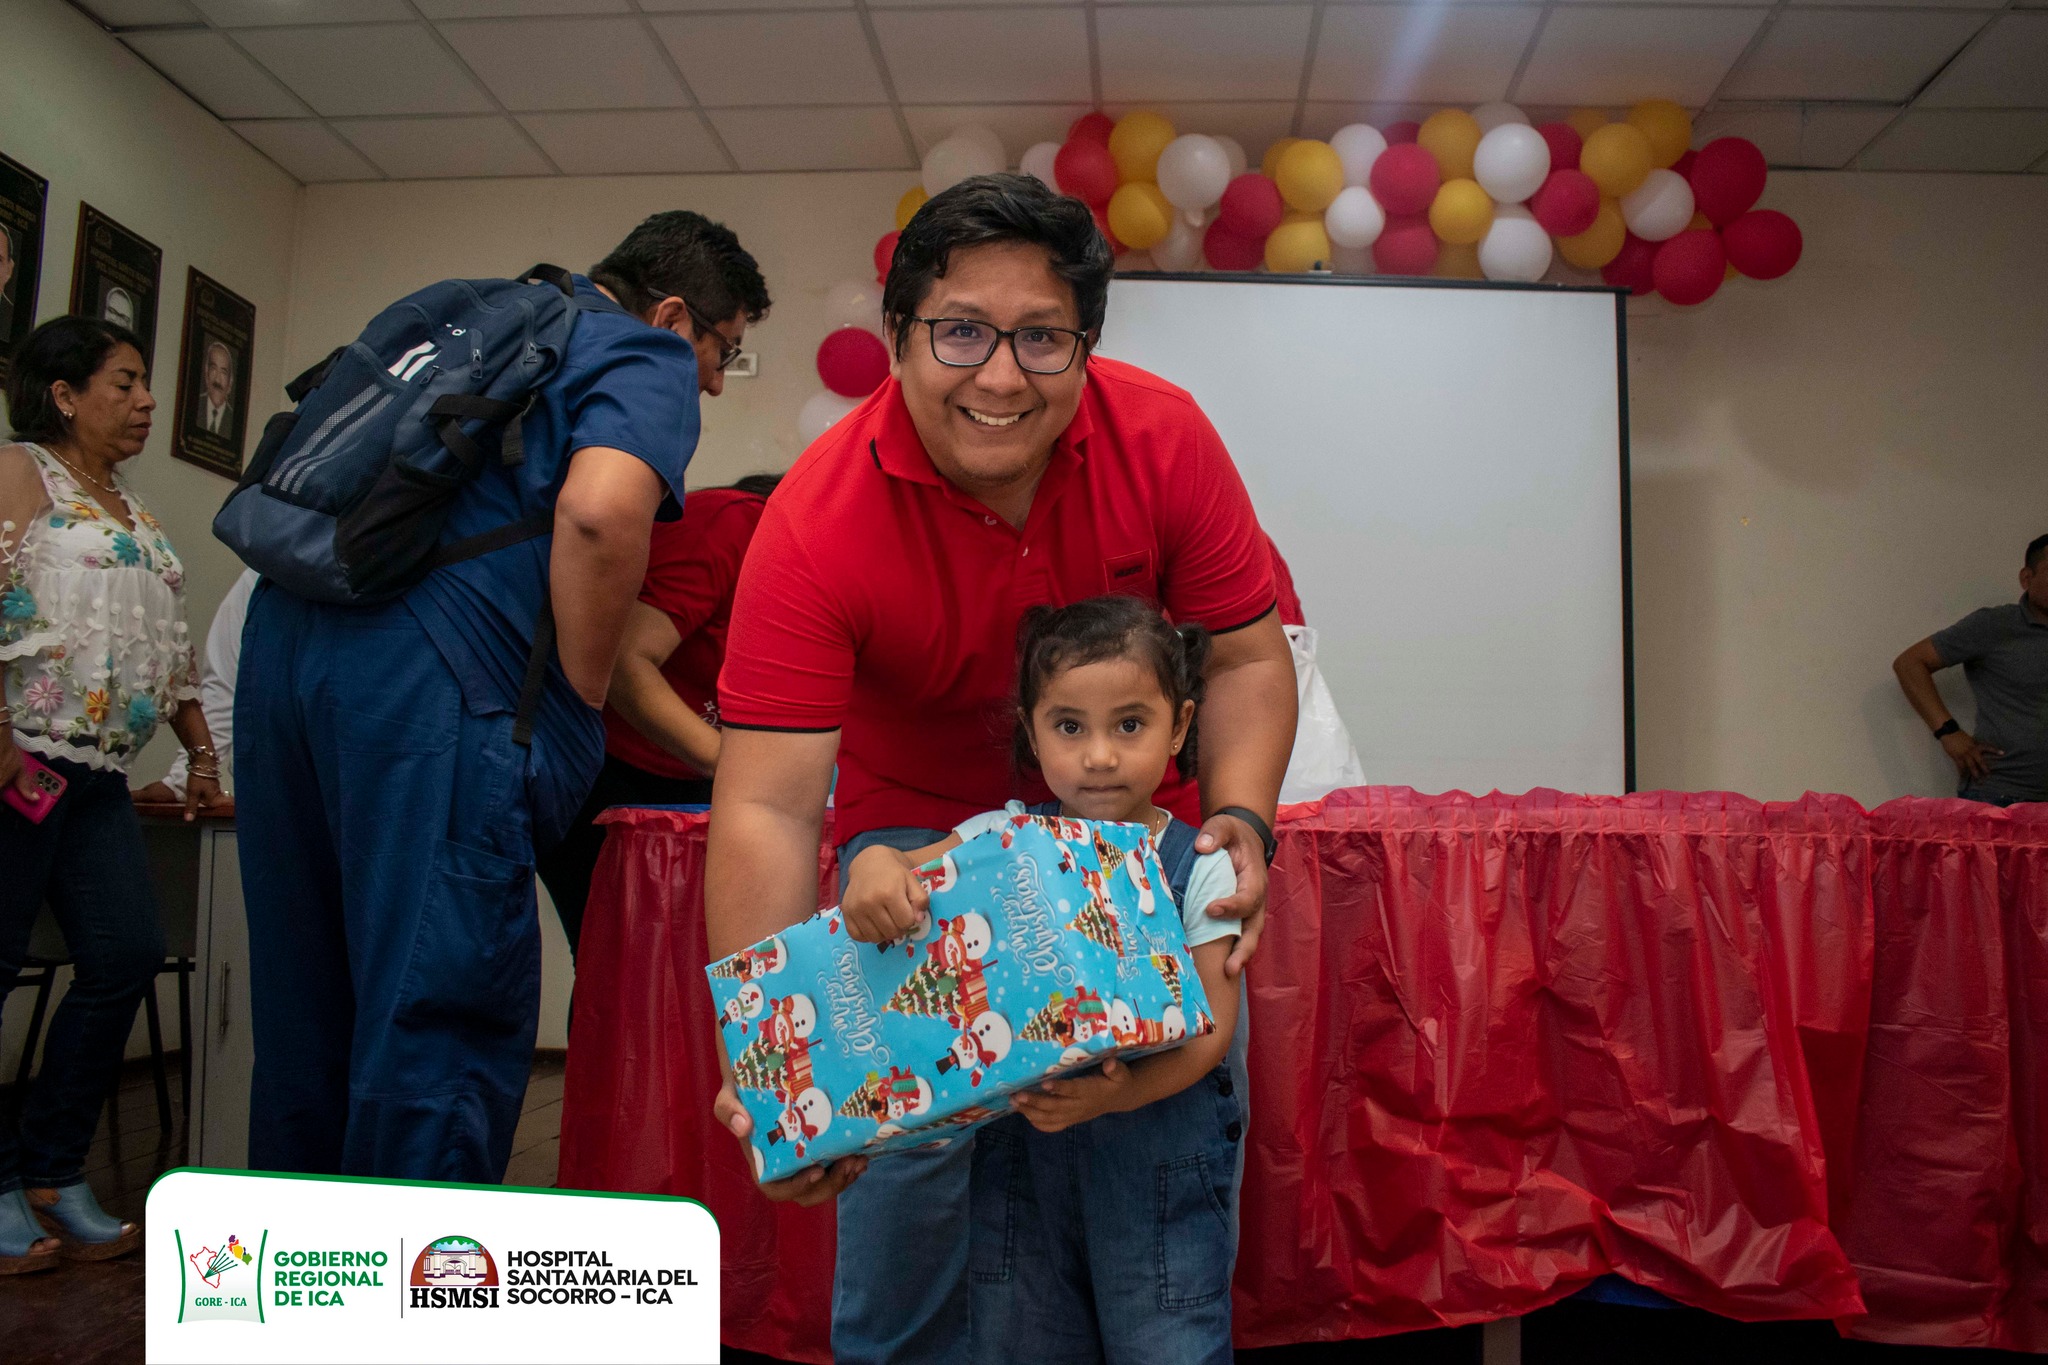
pixel 1211 879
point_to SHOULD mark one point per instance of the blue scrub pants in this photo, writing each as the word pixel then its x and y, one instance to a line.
pixel 387 864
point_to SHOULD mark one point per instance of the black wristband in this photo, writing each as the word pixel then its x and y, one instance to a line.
pixel 1259 826
pixel 1948 727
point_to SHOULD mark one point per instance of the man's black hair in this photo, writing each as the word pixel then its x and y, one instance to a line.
pixel 684 255
pixel 998 208
pixel 760 485
pixel 70 348
pixel 2037 548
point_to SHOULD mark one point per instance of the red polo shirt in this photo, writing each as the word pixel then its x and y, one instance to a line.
pixel 881 601
pixel 693 565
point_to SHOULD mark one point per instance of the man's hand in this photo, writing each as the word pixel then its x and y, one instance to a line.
pixel 154 792
pixel 805 1188
pixel 1971 758
pixel 12 770
pixel 1248 903
pixel 884 897
pixel 1059 1105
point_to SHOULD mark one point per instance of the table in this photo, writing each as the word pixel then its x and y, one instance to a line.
pixel 1773 1060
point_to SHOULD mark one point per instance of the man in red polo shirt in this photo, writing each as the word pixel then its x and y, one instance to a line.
pixel 1002 466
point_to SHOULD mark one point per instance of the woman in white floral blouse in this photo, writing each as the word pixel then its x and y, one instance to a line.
pixel 94 653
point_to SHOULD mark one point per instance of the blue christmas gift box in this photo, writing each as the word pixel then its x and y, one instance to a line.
pixel 1050 944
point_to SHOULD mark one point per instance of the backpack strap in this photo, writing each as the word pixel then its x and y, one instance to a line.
pixel 536 673
pixel 451 410
pixel 1177 856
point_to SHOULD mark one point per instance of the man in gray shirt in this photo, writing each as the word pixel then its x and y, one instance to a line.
pixel 2004 654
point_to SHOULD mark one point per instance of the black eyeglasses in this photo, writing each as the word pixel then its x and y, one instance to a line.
pixel 728 351
pixel 965 343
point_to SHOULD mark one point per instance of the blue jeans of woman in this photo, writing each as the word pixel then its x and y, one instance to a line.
pixel 87 861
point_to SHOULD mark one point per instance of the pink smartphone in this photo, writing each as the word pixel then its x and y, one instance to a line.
pixel 49 785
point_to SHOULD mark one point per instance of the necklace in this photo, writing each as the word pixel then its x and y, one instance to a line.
pixel 108 489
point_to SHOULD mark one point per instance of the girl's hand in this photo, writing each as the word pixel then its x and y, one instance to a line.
pixel 884 899
pixel 1060 1104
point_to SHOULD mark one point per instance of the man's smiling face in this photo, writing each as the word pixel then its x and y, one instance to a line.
pixel 989 429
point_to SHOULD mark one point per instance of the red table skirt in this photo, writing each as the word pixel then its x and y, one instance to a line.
pixel 1775 1061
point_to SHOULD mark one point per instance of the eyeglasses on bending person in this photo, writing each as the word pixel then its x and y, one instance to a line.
pixel 965 343
pixel 728 351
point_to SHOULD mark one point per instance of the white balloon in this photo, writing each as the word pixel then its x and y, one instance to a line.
pixel 1493 115
pixel 1516 247
pixel 1354 218
pixel 1193 171
pixel 1660 208
pixel 1181 248
pixel 820 411
pixel 955 160
pixel 1511 162
pixel 855 303
pixel 1233 149
pixel 981 135
pixel 1038 161
pixel 1351 260
pixel 1358 145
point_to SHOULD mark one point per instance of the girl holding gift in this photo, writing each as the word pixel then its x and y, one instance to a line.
pixel 1102 1210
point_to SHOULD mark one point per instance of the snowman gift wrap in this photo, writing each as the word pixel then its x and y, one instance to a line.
pixel 1050 944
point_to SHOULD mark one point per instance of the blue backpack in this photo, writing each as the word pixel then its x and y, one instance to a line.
pixel 345 499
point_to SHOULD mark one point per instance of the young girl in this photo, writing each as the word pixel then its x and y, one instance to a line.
pixel 1102 1219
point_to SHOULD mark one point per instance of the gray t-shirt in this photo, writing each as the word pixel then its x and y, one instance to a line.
pixel 2004 654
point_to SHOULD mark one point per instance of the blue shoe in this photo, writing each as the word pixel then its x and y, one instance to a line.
pixel 88 1231
pixel 23 1247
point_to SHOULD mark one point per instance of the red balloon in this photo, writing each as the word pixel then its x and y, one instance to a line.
pixel 1227 250
pixel 1102 226
pixel 1405 178
pixel 1565 144
pixel 1407 130
pixel 1684 164
pixel 1690 267
pixel 1406 246
pixel 885 251
pixel 1630 268
pixel 1567 203
pixel 1727 179
pixel 853 362
pixel 1763 244
pixel 1093 126
pixel 1086 170
pixel 1251 207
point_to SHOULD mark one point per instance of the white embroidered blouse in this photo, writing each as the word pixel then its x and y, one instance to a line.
pixel 93 643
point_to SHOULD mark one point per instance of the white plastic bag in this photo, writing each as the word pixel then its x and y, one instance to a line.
pixel 1324 758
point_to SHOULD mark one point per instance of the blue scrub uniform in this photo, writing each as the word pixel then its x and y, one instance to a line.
pixel 388 822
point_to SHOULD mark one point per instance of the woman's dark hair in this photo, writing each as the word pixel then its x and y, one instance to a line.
pixel 684 255
pixel 997 208
pixel 760 485
pixel 71 349
pixel 1051 640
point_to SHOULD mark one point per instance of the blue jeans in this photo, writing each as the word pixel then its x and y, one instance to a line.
pixel 86 859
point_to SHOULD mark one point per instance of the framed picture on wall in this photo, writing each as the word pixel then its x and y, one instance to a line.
pixel 212 416
pixel 23 197
pixel 117 275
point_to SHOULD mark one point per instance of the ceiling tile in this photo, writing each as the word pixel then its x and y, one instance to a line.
pixel 955 55
pixel 269 13
pixel 1837 55
pixel 1018 125
pixel 1227 52
pixel 445 148
pixel 863 139
pixel 1824 136
pixel 1906 4
pixel 1952 140
pixel 1255 124
pixel 1466 53
pixel 1322 118
pixel 122 13
pixel 1619 56
pixel 211 70
pixel 512 9
pixel 379 69
pixel 779 59
pixel 307 149
pixel 627 142
pixel 2007 66
pixel 568 63
pixel 681 6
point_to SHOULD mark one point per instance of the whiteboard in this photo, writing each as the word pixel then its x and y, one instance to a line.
pixel 1445 470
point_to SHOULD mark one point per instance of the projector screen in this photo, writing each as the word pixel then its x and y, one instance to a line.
pixel 1445 469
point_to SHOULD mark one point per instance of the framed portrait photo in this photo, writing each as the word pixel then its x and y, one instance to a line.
pixel 212 416
pixel 117 275
pixel 23 198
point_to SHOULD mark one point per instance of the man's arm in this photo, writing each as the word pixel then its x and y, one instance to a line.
pixel 602 518
pixel 643 696
pixel 1247 735
pixel 1915 670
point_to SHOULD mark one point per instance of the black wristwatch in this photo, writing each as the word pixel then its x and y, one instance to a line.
pixel 1948 727
pixel 1259 826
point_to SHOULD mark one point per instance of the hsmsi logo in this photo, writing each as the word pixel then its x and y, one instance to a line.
pixel 220 1277
pixel 454 1272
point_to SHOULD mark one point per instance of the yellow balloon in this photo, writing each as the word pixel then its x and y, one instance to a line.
pixel 1136 142
pixel 1296 247
pixel 1309 174
pixel 1269 164
pixel 1699 220
pixel 1618 159
pixel 907 207
pixel 1461 212
pixel 1586 121
pixel 1300 216
pixel 1668 127
pixel 1598 244
pixel 1452 136
pixel 1140 215
pixel 1457 261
